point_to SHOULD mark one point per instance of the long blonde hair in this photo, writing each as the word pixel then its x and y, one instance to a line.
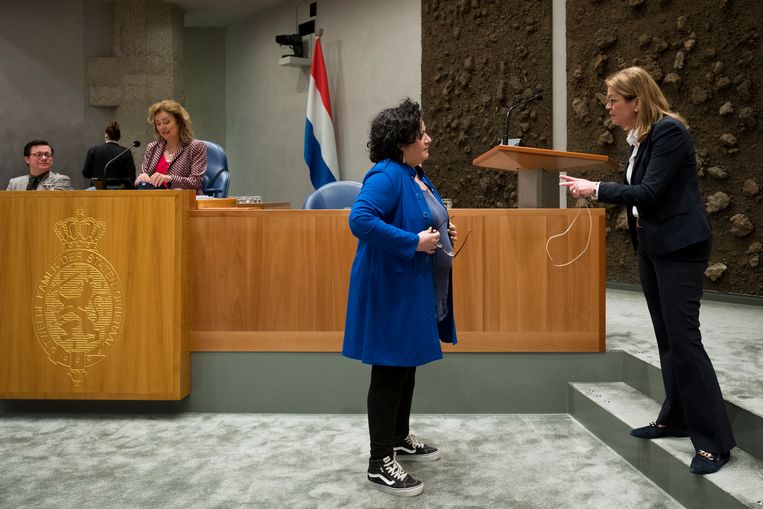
pixel 182 118
pixel 636 82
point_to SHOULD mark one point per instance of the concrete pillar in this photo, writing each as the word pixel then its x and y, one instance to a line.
pixel 146 66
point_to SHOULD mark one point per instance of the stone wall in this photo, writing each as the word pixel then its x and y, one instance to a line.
pixel 146 65
pixel 478 58
pixel 706 57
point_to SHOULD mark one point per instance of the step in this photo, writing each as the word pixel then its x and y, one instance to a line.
pixel 611 410
pixel 645 377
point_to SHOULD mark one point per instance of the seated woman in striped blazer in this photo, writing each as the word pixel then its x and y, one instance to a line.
pixel 175 160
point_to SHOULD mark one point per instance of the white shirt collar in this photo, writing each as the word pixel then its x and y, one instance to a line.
pixel 632 137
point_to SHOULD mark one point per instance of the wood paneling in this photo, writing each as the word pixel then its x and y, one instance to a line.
pixel 166 280
pixel 276 280
pixel 100 320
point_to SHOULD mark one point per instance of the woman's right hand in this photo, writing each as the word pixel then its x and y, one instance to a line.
pixel 428 240
pixel 159 179
pixel 142 177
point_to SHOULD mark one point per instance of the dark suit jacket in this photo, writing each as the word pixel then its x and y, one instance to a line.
pixel 98 156
pixel 665 189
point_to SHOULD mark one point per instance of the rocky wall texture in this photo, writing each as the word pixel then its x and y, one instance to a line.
pixel 706 56
pixel 481 56
pixel 146 67
pixel 478 58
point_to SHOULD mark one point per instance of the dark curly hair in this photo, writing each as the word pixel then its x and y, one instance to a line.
pixel 393 128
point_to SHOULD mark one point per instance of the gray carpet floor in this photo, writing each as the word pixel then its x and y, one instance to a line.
pixel 275 461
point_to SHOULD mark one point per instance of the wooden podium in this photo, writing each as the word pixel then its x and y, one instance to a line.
pixel 538 177
pixel 93 292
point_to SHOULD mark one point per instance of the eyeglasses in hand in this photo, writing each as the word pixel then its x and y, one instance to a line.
pixel 440 246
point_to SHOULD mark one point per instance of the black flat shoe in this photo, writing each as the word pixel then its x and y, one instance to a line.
pixel 708 463
pixel 654 431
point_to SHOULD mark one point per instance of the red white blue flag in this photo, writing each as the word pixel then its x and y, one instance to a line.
pixel 320 144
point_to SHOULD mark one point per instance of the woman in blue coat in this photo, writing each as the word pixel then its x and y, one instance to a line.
pixel 400 304
pixel 671 233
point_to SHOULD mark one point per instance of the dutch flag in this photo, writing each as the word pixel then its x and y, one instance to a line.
pixel 320 144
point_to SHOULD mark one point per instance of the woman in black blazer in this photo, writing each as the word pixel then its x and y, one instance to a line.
pixel 99 156
pixel 672 237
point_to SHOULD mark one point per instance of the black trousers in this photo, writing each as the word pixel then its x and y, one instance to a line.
pixel 672 285
pixel 390 395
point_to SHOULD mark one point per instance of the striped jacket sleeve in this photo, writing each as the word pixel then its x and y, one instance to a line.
pixel 188 168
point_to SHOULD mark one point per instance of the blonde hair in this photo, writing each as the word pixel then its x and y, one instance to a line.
pixel 181 117
pixel 636 82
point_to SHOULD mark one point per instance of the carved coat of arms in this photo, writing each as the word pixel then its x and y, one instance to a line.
pixel 78 305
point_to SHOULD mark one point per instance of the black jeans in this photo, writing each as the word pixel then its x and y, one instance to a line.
pixel 390 395
pixel 672 285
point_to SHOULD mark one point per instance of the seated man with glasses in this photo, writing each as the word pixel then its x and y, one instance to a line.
pixel 38 155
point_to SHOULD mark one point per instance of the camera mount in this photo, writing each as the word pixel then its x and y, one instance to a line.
pixel 294 41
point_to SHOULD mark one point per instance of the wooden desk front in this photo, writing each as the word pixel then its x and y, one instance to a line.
pixel 92 295
pixel 276 280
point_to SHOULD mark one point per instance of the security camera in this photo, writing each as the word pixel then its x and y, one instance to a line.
pixel 294 41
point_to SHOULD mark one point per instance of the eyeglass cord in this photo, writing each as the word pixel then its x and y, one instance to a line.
pixel 565 232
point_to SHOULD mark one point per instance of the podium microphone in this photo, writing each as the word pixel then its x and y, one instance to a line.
pixel 506 140
pixel 135 144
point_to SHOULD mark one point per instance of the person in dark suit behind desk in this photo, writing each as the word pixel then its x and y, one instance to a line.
pixel 672 237
pixel 97 157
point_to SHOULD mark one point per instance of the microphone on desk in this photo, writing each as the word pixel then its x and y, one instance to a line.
pixel 135 144
pixel 516 142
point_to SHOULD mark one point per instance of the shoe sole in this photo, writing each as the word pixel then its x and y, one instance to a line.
pixel 667 435
pixel 400 492
pixel 433 456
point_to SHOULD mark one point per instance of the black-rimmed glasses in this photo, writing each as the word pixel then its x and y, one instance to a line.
pixel 442 248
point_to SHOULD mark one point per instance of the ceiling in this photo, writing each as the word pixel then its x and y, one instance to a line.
pixel 205 13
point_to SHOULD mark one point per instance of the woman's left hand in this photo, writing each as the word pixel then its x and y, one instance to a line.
pixel 452 233
pixel 159 179
pixel 579 188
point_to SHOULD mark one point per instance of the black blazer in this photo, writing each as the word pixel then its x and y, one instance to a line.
pixel 98 156
pixel 665 189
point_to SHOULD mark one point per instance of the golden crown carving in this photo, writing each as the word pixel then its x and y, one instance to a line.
pixel 79 231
